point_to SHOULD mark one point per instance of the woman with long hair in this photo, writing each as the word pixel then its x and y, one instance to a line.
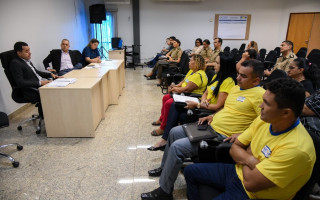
pixel 306 73
pixel 213 98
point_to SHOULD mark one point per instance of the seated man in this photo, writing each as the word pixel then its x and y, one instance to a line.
pixel 274 156
pixel 217 42
pixel 240 109
pixel 26 75
pixel 63 61
pixel 287 56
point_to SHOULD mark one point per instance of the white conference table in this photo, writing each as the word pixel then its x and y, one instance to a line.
pixel 77 109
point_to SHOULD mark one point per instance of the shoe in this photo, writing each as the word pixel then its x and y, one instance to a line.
pixel 158 85
pixel 154 133
pixel 148 63
pixel 152 148
pixel 151 78
pixel 157 194
pixel 155 123
pixel 155 172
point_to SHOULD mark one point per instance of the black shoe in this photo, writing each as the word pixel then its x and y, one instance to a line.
pixel 155 172
pixel 148 63
pixel 157 194
pixel 152 148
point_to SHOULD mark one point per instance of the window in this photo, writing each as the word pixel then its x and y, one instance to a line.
pixel 104 32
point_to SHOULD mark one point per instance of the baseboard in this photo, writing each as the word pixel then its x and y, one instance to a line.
pixel 19 110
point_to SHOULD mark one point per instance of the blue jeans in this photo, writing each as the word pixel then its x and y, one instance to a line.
pixel 220 176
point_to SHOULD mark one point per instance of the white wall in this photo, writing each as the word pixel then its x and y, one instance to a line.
pixel 187 21
pixel 42 24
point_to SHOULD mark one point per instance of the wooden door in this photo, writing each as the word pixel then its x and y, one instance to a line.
pixel 299 29
pixel 314 41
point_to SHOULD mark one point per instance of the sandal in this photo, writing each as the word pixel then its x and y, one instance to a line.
pixel 155 123
pixel 154 133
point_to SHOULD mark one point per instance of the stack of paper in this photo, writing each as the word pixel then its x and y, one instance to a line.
pixel 183 99
pixel 61 82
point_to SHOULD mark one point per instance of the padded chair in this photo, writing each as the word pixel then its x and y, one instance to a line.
pixel 314 58
pixel 175 74
pixel 262 54
pixel 242 47
pixel 313 51
pixel 134 55
pixel 239 55
pixel 4 122
pixel 276 74
pixel 207 192
pixel 234 52
pixel 17 95
pixel 226 49
pixel 277 50
pixel 302 53
pixel 270 60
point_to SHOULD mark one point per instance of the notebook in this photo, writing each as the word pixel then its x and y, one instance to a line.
pixel 196 135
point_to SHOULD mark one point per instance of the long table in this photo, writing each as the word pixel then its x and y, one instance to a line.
pixel 77 109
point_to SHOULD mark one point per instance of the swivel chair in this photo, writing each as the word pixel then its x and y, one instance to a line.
pixel 17 95
pixel 4 122
pixel 277 50
pixel 242 47
pixel 226 49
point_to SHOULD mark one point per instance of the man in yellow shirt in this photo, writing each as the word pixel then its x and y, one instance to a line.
pixel 275 155
pixel 240 109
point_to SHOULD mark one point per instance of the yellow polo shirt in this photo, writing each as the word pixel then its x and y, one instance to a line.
pixel 226 86
pixel 199 78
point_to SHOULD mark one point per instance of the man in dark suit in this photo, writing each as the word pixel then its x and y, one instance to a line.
pixel 64 60
pixel 25 75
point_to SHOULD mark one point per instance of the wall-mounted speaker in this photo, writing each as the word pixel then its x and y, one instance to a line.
pixel 97 13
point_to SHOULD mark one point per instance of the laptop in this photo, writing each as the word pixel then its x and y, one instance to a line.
pixel 196 135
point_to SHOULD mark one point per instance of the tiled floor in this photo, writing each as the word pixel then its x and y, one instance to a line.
pixel 113 165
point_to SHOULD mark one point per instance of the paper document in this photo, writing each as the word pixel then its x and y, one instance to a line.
pixel 69 80
pixel 183 99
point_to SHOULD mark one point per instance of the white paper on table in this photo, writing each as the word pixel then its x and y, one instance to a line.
pixel 69 80
pixel 58 84
pixel 183 99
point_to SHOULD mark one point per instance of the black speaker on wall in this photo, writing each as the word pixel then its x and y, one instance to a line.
pixel 97 13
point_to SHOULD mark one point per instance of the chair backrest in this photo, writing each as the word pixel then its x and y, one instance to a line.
pixel 271 56
pixel 276 74
pixel 242 47
pixel 262 54
pixel 239 55
pixel 277 50
pixel 234 52
pixel 313 51
pixel 302 53
pixel 184 63
pixel 210 73
pixel 226 49
pixel 303 193
pixel 6 58
pixel 77 55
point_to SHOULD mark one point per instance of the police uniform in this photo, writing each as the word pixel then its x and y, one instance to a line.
pixel 206 52
pixel 284 62
pixel 214 55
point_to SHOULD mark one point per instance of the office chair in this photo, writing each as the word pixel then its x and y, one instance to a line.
pixel 239 55
pixel 4 122
pixel 314 58
pixel 207 192
pixel 276 74
pixel 175 74
pixel 134 55
pixel 313 51
pixel 270 60
pixel 277 50
pixel 242 47
pixel 226 49
pixel 234 52
pixel 262 54
pixel 17 95
pixel 302 53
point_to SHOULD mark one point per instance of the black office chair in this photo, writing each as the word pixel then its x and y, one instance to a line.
pixel 242 47
pixel 270 60
pixel 262 54
pixel 175 74
pixel 4 122
pixel 234 52
pixel 302 53
pixel 134 55
pixel 226 49
pixel 207 192
pixel 239 55
pixel 313 51
pixel 276 74
pixel 277 50
pixel 314 58
pixel 17 95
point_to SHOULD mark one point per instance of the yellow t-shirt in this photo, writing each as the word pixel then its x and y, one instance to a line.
pixel 199 78
pixel 240 109
pixel 226 86
pixel 286 160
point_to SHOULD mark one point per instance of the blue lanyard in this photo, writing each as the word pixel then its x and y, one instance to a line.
pixel 287 130
pixel 250 88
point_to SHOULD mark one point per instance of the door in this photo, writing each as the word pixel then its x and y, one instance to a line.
pixel 303 30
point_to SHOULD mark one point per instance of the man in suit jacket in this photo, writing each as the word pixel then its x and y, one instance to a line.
pixel 25 75
pixel 64 60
